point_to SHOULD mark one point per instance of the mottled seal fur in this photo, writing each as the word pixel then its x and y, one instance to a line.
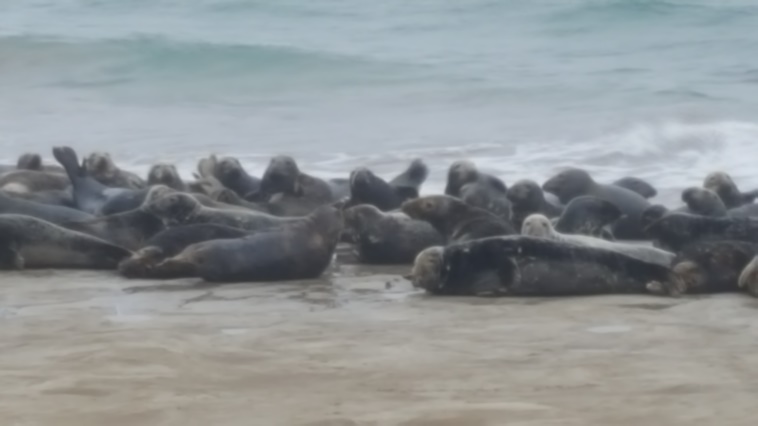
pixel 289 190
pixel 673 231
pixel 703 202
pixel 527 198
pixel 573 182
pixel 388 238
pixel 232 175
pixel 528 266
pixel 723 185
pixel 537 225
pixel 587 215
pixel 645 189
pixel 50 213
pixel 456 220
pixel 166 174
pixel 170 242
pixel 101 167
pixel 27 242
pixel 302 250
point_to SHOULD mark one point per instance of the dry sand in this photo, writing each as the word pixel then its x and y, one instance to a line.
pixel 363 348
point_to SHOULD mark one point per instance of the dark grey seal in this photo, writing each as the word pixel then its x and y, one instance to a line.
pixel 47 212
pixel 527 198
pixel 645 189
pixel 587 215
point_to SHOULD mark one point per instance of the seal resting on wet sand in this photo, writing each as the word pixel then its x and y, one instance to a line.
pixel 128 229
pixel 573 182
pixel 528 266
pixel 231 174
pixel 673 231
pixel 388 238
pixel 526 198
pixel 456 220
pixel 537 225
pixel 28 243
pixel 368 188
pixel 302 250
pixel 478 189
pixel 50 213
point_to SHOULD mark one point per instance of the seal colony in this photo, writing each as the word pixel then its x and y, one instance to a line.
pixel 480 238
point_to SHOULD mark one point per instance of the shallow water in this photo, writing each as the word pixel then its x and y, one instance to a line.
pixel 662 89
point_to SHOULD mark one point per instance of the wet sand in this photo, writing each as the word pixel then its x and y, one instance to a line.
pixel 362 348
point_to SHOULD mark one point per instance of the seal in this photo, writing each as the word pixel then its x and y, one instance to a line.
pixel 128 229
pixel 528 266
pixel 225 198
pixel 301 250
pixel 46 212
pixel 231 174
pixel 411 179
pixel 748 279
pixel 675 230
pixel 289 190
pixel 703 202
pixel 340 188
pixel 368 188
pixel 463 172
pixel 713 266
pixel 183 209
pixel 30 243
pixel 101 167
pixel 587 215
pixel 537 225
pixel 456 220
pixel 51 197
pixel 645 189
pixel 527 198
pixel 31 161
pixel 573 182
pixel 745 210
pixel 32 181
pixel 723 185
pixel 168 243
pixel 165 174
pixel 388 238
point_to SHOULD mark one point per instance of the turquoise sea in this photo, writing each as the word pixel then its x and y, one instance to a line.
pixel 662 89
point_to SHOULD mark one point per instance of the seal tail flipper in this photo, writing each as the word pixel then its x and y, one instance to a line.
pixel 413 177
pixel 67 158
pixel 10 258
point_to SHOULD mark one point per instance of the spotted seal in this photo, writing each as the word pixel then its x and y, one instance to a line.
pixel 455 219
pixel 526 198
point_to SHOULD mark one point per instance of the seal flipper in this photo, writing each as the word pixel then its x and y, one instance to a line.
pixel 67 158
pixel 10 258
pixel 413 177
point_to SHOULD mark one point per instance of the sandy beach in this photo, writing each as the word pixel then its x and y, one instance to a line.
pixel 361 347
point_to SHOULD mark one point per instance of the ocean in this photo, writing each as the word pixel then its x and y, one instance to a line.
pixel 666 90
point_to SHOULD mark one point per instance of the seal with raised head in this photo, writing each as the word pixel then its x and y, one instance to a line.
pixel 166 174
pixel 168 243
pixel 301 250
pixel 29 243
pixel 723 185
pixel 231 174
pixel 527 198
pixel 478 189
pixel 573 182
pixel 674 231
pixel 183 209
pixel 388 238
pixel 703 202
pixel 587 215
pixel 455 219
pixel 368 188
pixel 528 266
pixel 129 229
pixel 101 167
pixel 537 225
pixel 31 161
pixel 54 214
pixel 289 190
pixel 645 189
pixel 410 180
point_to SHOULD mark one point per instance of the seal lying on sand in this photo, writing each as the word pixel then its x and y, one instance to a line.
pixel 478 189
pixel 301 250
pixel 456 220
pixel 183 209
pixel 723 185
pixel 30 161
pixel 637 185
pixel 572 183
pixel 587 215
pixel 674 230
pixel 368 188
pixel 129 229
pixel 32 181
pixel 27 242
pixel 170 242
pixel 703 202
pixel 526 198
pixel 528 266
pixel 538 225
pixel 50 213
pixel 51 197
pixel 165 174
pixel 389 238
pixel 101 167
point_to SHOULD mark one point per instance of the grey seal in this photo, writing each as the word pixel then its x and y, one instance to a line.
pixel 527 198
pixel 101 167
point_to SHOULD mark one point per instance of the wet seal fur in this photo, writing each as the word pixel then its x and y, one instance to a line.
pixel 537 225
pixel 527 198
pixel 455 219
pixel 28 243
pixel 573 182
pixel 588 215
pixel 388 238
pixel 673 231
pixel 723 185
pixel 101 167
pixel 528 266
pixel 168 243
pixel 645 189
pixel 302 250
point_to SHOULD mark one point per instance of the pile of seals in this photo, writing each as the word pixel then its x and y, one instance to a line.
pixel 569 236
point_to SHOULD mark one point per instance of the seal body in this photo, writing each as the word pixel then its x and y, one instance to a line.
pixel 165 174
pixel 410 180
pixel 587 215
pixel 675 230
pixel 748 279
pixel 527 198
pixel 101 167
pixel 713 266
pixel 703 202
pixel 388 238
pixel 478 189
pixel 456 220
pixel 50 213
pixel 368 188
pixel 129 229
pixel 233 176
pixel 32 181
pixel 642 187
pixel 27 243
pixel 300 251
pixel 723 185
pixel 289 190
pixel 50 197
